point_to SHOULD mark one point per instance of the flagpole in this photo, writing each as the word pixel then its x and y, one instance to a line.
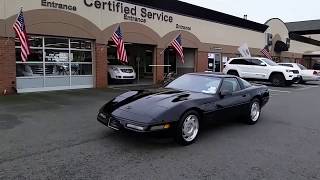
pixel 170 43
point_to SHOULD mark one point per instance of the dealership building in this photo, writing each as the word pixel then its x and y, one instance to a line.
pixel 71 46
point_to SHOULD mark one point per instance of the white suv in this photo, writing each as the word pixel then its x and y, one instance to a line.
pixel 262 69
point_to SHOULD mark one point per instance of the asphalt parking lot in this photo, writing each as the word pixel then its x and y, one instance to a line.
pixel 55 135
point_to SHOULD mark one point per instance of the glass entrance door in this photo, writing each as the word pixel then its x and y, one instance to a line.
pixel 214 62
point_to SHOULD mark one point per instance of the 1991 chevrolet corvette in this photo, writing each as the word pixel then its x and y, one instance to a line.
pixel 184 104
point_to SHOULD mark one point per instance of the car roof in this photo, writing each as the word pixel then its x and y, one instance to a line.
pixel 248 58
pixel 212 74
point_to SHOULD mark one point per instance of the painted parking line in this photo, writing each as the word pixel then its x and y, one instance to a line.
pixel 279 91
pixel 306 88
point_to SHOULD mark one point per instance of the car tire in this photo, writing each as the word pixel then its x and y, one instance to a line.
pixel 301 81
pixel 187 129
pixel 278 80
pixel 233 72
pixel 254 112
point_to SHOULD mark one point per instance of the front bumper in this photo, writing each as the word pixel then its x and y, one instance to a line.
pixel 119 124
pixel 123 76
pixel 311 78
pixel 292 77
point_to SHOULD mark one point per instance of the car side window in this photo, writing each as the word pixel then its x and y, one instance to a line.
pixel 288 65
pixel 256 62
pixel 239 62
pixel 230 84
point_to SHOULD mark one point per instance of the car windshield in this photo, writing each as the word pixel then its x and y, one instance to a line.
pixel 302 67
pixel 270 62
pixel 196 83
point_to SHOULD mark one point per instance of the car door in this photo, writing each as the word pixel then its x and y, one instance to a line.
pixel 258 70
pixel 243 66
pixel 231 105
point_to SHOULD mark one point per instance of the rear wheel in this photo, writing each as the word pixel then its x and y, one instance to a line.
pixel 254 112
pixel 188 128
pixel 278 80
pixel 233 72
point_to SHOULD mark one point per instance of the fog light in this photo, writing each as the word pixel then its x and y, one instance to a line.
pixel 135 127
pixel 160 127
pixel 166 126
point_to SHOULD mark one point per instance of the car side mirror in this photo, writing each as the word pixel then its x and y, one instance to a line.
pixel 225 93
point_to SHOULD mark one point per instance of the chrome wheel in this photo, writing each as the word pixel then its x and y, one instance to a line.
pixel 190 128
pixel 255 111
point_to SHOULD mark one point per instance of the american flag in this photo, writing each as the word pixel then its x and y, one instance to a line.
pixel 266 53
pixel 118 40
pixel 20 29
pixel 176 43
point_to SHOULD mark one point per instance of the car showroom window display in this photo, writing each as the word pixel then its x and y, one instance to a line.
pixel 55 62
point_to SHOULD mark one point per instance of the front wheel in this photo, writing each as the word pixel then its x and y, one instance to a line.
pixel 278 80
pixel 188 128
pixel 254 112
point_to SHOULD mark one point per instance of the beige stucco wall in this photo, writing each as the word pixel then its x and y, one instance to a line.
pixel 206 32
pixel 277 27
pixel 299 47
pixel 279 30
pixel 313 36
pixel 2 10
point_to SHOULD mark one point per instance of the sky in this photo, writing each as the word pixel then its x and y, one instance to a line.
pixel 261 11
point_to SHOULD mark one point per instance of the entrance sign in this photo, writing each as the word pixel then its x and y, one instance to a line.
pixel 133 13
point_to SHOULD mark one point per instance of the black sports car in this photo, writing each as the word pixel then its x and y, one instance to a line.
pixel 183 104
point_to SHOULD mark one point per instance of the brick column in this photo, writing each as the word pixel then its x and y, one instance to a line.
pixel 101 66
pixel 7 66
pixel 158 70
pixel 202 61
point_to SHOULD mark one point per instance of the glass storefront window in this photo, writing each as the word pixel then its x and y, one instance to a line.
pixel 58 69
pixel 81 56
pixel 80 44
pixel 58 62
pixel 81 69
pixel 56 43
pixel 35 56
pixel 57 55
pixel 33 42
pixel 29 70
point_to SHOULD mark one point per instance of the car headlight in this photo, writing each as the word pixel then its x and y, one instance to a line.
pixel 116 70
pixel 288 70
pixel 103 115
pixel 132 126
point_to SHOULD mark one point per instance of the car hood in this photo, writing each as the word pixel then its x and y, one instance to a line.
pixel 148 104
pixel 283 67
